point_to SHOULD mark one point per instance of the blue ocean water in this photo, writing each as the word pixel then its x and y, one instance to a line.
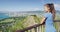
pixel 2 16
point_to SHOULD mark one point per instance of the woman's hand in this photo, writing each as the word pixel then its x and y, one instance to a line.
pixel 43 20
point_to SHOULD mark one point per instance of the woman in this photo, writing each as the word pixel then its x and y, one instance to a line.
pixel 49 17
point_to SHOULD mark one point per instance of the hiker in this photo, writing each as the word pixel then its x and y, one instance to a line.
pixel 49 17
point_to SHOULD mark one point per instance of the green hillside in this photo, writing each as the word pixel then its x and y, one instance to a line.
pixel 16 23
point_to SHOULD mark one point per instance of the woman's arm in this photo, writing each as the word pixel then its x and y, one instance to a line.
pixel 43 20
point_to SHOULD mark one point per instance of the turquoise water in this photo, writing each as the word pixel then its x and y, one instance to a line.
pixel 2 16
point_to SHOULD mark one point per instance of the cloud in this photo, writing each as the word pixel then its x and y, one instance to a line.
pixel 29 9
pixel 34 9
pixel 20 9
pixel 57 5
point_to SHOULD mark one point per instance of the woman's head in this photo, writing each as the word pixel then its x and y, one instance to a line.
pixel 50 8
pixel 47 8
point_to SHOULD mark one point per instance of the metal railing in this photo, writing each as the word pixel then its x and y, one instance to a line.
pixel 40 27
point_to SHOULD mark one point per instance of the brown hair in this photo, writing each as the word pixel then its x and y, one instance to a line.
pixel 52 9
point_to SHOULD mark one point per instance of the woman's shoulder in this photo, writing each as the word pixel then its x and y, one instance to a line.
pixel 47 14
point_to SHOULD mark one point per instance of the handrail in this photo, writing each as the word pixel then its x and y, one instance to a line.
pixel 28 28
pixel 34 26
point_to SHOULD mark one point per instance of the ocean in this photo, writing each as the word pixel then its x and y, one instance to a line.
pixel 2 16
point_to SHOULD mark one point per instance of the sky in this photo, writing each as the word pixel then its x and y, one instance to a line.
pixel 26 5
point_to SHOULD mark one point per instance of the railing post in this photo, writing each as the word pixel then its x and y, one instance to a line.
pixel 39 29
pixel 31 30
pixel 27 31
pixel 35 29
